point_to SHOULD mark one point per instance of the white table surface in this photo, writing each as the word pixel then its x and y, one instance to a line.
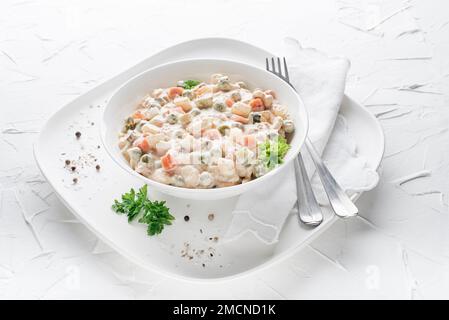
pixel 53 51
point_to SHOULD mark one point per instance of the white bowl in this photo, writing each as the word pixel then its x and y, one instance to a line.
pixel 126 98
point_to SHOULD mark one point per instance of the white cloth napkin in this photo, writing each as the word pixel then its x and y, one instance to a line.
pixel 320 80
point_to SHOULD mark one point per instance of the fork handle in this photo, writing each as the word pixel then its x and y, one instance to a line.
pixel 309 210
pixel 339 200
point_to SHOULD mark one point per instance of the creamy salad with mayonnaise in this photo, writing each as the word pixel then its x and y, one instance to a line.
pixel 206 135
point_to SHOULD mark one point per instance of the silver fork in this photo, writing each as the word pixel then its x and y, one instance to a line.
pixel 339 200
pixel 309 210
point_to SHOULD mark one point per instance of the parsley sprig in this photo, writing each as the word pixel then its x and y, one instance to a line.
pixel 155 214
pixel 189 84
pixel 272 152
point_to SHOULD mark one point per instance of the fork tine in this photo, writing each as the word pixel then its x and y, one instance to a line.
pixel 272 65
pixel 279 66
pixel 286 70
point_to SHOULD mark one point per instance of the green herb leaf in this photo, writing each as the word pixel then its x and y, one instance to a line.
pixel 189 84
pixel 155 214
pixel 130 205
pixel 272 152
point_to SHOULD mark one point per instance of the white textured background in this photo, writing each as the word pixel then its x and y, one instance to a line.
pixel 53 51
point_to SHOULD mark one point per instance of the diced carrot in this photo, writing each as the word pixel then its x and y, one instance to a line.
pixel 229 102
pixel 212 134
pixel 240 119
pixel 138 115
pixel 168 162
pixel 257 104
pixel 144 145
pixel 249 141
pixel 173 92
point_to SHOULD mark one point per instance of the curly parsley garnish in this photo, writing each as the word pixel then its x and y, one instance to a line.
pixel 189 84
pixel 155 214
pixel 272 152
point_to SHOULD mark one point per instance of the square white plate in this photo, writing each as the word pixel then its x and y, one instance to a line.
pixel 189 250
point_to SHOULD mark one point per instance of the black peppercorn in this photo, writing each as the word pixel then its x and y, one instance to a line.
pixel 77 134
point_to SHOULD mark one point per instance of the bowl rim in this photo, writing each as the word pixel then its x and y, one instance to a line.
pixel 206 191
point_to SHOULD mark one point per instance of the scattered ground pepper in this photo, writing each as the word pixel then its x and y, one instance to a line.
pixel 73 168
pixel 211 216
pixel 186 218
pixel 186 252
pixel 75 180
pixel 67 162
pixel 77 134
pixel 98 167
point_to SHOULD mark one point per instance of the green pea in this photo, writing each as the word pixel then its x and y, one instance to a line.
pixel 219 106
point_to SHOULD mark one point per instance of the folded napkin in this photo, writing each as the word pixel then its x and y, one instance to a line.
pixel 320 81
